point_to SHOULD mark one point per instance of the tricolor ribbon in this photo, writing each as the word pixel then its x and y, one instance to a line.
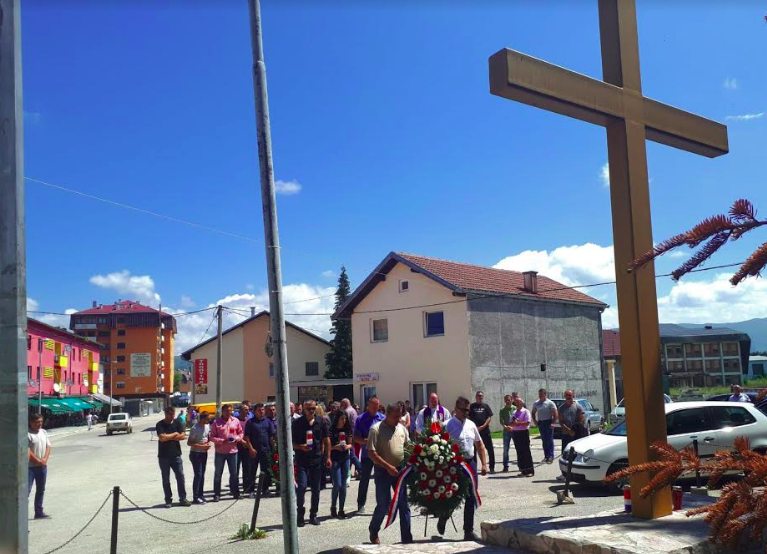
pixel 391 515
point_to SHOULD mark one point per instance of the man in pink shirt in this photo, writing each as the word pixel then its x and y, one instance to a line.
pixel 226 433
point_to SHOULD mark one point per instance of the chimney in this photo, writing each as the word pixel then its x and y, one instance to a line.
pixel 95 303
pixel 708 327
pixel 252 311
pixel 531 281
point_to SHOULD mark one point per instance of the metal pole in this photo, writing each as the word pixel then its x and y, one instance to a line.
pixel 219 353
pixel 13 289
pixel 277 317
pixel 257 503
pixel 115 519
pixel 39 376
pixel 110 387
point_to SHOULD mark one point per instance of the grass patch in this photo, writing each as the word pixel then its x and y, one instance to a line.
pixel 758 383
pixel 534 431
pixel 244 534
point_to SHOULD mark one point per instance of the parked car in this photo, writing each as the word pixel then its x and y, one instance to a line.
pixel 714 424
pixel 593 417
pixel 620 410
pixel 726 397
pixel 119 422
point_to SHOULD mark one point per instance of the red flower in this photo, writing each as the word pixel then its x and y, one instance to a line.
pixel 424 484
pixel 456 448
pixel 422 467
pixel 458 459
pixel 417 449
pixel 275 457
pixel 436 427
pixel 446 436
pixel 275 468
pixel 428 440
pixel 413 459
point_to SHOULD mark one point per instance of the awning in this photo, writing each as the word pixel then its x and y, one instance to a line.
pixel 54 405
pixel 95 404
pixel 76 404
pixel 105 399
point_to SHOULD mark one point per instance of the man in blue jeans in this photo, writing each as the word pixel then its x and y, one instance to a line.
pixel 39 451
pixel 386 447
pixel 170 433
pixel 544 415
pixel 505 418
pixel 362 426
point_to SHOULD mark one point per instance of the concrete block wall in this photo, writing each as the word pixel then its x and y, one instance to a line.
pixel 509 339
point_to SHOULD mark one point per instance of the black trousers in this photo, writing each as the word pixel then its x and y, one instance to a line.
pixel 469 505
pixel 522 446
pixel 487 440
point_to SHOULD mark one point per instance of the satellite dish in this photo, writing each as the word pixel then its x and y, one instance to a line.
pixel 56 387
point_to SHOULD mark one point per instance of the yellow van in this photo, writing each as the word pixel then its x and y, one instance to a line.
pixel 210 407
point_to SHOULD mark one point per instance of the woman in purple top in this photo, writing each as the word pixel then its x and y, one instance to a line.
pixel 520 424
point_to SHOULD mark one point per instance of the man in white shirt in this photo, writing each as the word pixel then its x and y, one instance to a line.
pixel 39 451
pixel 433 412
pixel 462 429
pixel 737 395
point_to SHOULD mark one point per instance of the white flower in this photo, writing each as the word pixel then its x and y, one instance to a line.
pixel 443 441
pixel 454 486
pixel 448 494
pixel 441 459
pixel 441 489
pixel 423 476
pixel 434 448
pixel 423 453
pixel 453 471
pixel 436 496
pixel 439 473
pixel 446 479
pixel 432 483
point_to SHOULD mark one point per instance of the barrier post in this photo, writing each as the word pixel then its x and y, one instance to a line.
pixel 115 515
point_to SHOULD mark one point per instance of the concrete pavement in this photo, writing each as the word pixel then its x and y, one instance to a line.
pixel 84 467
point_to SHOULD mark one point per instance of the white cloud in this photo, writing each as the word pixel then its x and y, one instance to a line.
pixel 249 286
pixel 745 117
pixel 192 327
pixel 57 320
pixel 329 273
pixel 569 265
pixel 32 304
pixel 133 287
pixel 187 302
pixel 604 175
pixel 677 254
pixel 730 83
pixel 287 187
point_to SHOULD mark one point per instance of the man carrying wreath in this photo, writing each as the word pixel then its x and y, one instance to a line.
pixel 465 432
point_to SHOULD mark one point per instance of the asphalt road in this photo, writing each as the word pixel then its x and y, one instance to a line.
pixel 84 466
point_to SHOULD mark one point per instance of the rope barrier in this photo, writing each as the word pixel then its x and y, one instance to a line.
pixel 164 520
pixel 84 527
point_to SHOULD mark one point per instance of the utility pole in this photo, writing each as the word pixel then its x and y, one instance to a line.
pixel 39 376
pixel 219 352
pixel 277 317
pixel 13 289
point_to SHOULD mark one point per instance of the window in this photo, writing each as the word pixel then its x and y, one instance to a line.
pixel 674 351
pixel 120 346
pixel 271 369
pixel 120 371
pixel 693 350
pixel 312 369
pixel 121 332
pixel 586 405
pixel 38 373
pixel 120 385
pixel 421 393
pixel 121 320
pixel 404 285
pixel 29 342
pixel 677 367
pixel 694 365
pixel 103 333
pixel 735 416
pixel 434 323
pixel 29 373
pixel 120 358
pixel 730 349
pixel 380 330
pixel 713 366
pixel 711 350
pixel 683 422
pixel 732 365
pixel 102 321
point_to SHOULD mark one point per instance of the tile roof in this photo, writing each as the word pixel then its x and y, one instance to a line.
pixel 611 343
pixel 123 307
pixel 470 277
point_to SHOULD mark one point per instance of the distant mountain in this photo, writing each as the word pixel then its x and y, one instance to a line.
pixel 182 364
pixel 756 329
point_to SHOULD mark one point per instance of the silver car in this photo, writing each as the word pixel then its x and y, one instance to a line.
pixel 593 417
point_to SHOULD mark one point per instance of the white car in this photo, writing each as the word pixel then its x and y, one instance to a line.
pixel 119 422
pixel 715 425
pixel 619 412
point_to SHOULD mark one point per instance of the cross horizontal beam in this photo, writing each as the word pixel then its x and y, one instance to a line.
pixel 520 77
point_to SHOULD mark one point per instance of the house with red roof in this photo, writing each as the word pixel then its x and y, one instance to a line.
pixel 423 325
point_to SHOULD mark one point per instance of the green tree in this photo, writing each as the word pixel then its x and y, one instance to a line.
pixel 339 359
pixel 176 380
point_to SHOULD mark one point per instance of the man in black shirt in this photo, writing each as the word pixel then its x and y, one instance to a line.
pixel 311 443
pixel 170 433
pixel 259 433
pixel 481 414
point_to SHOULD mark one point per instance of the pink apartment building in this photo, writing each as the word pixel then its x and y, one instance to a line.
pixel 66 364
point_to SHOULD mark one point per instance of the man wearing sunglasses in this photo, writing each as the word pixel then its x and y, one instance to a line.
pixel 311 442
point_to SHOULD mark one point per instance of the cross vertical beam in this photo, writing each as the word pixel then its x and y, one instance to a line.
pixel 13 290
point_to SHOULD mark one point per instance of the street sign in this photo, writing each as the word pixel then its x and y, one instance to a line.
pixel 201 371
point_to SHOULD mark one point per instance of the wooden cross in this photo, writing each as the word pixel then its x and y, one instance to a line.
pixel 617 104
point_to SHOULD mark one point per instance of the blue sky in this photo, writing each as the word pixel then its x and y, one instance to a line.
pixel 381 115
